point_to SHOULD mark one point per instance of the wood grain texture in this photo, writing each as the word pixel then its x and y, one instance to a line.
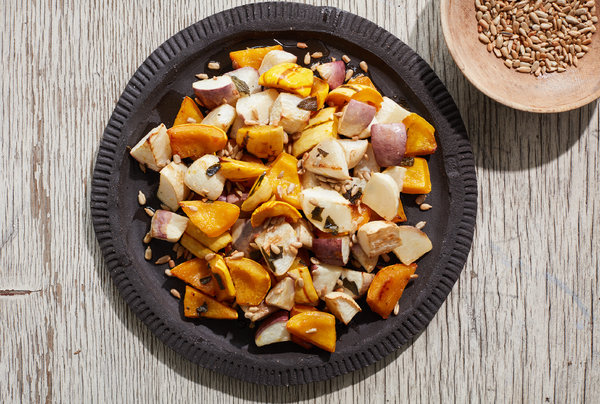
pixel 522 324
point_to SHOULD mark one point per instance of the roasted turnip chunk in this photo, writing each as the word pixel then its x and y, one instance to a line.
pixel 238 122
pixel 304 233
pixel 216 91
pixel 397 173
pixel 274 243
pixel 333 72
pixel 309 180
pixel 328 159
pixel 249 76
pixel 327 210
pixel 275 57
pixel 334 251
pixel 414 245
pixel 285 113
pixel 356 283
pixel 391 112
pixel 378 237
pixel 257 313
pixel 222 117
pixel 243 233
pixel 354 150
pixel 205 183
pixel 389 143
pixel 368 164
pixel 171 188
pixel 256 109
pixel 382 195
pixel 282 294
pixel 273 330
pixel 154 150
pixel 325 278
pixel 342 306
pixel 368 263
pixel 167 225
pixel 356 116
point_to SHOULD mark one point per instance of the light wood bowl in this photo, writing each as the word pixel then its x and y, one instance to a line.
pixel 556 92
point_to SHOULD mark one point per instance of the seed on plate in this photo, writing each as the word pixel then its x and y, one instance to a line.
pixel 148 254
pixel 300 282
pixel 313 67
pixel 147 238
pixel 253 245
pixel 317 55
pixel 214 65
pixel 276 250
pixel 349 74
pixel 149 211
pixel 524 69
pixel 396 309
pixel 315 261
pixel 202 76
pixel 209 256
pixel 176 293
pixel 168 272
pixel 310 331
pixel 162 260
pixel 346 59
pixel 191 120
pixel 171 264
pixel 192 208
pixel 484 39
pixel 292 250
pixel 141 198
pixel 425 206
pixel 307 58
pixel 281 174
pixel 420 225
pixel 296 244
pixel 414 276
pixel 301 45
pixel 363 66
pixel 508 63
pixel 176 158
pixel 291 188
pixel 237 255
pixel 180 252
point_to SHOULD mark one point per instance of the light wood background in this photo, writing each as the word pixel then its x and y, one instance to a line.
pixel 521 325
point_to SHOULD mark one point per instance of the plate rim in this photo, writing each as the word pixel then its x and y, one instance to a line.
pixel 457 160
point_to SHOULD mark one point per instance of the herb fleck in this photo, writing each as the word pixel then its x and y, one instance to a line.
pixel 240 85
pixel 316 213
pixel 407 162
pixel 330 225
pixel 202 309
pixel 206 280
pixel 219 281
pixel 322 152
pixel 353 198
pixel 350 285
pixel 212 170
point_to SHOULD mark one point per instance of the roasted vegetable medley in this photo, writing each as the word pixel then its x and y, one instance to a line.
pixel 285 182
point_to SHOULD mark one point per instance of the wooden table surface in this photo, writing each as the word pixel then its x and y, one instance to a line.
pixel 521 325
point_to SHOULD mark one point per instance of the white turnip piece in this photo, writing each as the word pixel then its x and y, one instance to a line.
pixel 167 225
pixel 334 251
pixel 256 109
pixel 378 237
pixel 222 117
pixel 325 278
pixel 285 113
pixel 342 306
pixel 209 184
pixel 328 159
pixel 382 195
pixel 389 143
pixel 333 72
pixel 327 210
pixel 216 91
pixel 368 263
pixel 354 150
pixel 273 330
pixel 282 294
pixel 397 173
pixel 154 150
pixel 275 57
pixel 172 188
pixel 249 76
pixel 356 283
pixel 274 243
pixel 414 244
pixel 356 117
pixel 391 112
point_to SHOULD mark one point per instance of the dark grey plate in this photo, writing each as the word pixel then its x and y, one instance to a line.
pixel 153 95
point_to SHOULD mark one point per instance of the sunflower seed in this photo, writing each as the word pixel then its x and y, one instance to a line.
pixel 176 293
pixel 148 254
pixel 425 206
pixel 214 65
pixel 301 45
pixel 363 66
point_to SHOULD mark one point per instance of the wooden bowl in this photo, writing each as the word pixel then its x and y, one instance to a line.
pixel 556 92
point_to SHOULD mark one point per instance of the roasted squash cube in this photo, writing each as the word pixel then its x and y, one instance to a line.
pixel 315 327
pixel 213 218
pixel 196 273
pixel 263 141
pixel 252 57
pixel 289 77
pixel 197 304
pixel 188 113
pixel 319 90
pixel 420 136
pixel 237 170
pixel 416 179
pixel 274 209
pixel 260 192
pixel 195 140
pixel 283 176
pixel 225 289
pixel 387 287
pixel 251 280
pixel 214 243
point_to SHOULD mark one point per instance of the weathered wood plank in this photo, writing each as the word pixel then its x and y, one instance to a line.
pixel 521 325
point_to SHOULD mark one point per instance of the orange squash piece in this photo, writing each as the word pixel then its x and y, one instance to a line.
pixel 340 96
pixel 188 110
pixel 301 308
pixel 260 192
pixel 214 243
pixel 416 178
pixel 195 272
pixel 320 89
pixel 251 280
pixel 251 57
pixel 400 216
pixel 305 294
pixel 273 209
pixel 195 140
pixel 363 80
pixel 237 170
pixel 387 287
pixel 315 327
pixel 196 304
pixel 288 165
pixel 368 95
pixel 194 246
pixel 261 140
pixel 213 218
pixel 420 136
pixel 225 289
pixel 361 217
pixel 289 77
